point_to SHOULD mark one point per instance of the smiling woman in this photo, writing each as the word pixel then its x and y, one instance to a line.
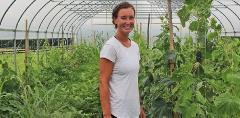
pixel 124 24
pixel 119 67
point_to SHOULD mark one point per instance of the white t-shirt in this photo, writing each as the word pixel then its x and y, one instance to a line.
pixel 123 85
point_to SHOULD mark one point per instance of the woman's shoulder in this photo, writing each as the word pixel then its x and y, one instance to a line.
pixel 111 41
pixel 134 43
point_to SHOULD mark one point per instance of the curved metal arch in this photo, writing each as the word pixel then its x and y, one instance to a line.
pixel 49 13
pixel 175 4
pixel 76 15
pixel 90 15
pixel 84 14
pixel 66 18
pixel 236 2
pixel 81 22
pixel 231 11
pixel 15 30
pixel 7 11
pixel 114 2
pixel 79 25
pixel 225 17
pixel 58 13
pixel 15 33
pixel 64 15
pixel 158 3
pixel 24 13
pixel 72 18
pixel 37 14
pixel 155 9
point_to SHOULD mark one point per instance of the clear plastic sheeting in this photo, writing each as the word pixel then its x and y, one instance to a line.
pixel 227 13
pixel 64 18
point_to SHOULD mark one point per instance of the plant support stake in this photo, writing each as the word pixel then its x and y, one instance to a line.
pixel 26 47
pixel 171 48
pixel 148 31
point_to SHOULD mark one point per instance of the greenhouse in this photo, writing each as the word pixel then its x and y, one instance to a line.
pixel 50 53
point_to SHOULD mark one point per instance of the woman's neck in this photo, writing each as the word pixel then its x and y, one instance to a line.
pixel 121 37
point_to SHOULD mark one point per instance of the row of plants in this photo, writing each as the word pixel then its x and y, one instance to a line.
pixel 65 82
pixel 204 82
pixel 201 85
pixel 64 85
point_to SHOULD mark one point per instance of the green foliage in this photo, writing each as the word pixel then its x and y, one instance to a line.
pixel 100 40
pixel 64 85
pixel 200 11
pixel 205 88
pixel 228 103
pixel 216 30
pixel 162 43
pixel 138 38
pixel 9 105
pixel 184 15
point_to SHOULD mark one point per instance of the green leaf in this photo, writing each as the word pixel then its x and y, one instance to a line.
pixel 212 35
pixel 184 15
pixel 194 26
pixel 200 98
pixel 228 104
pixel 213 23
pixel 189 2
pixel 219 27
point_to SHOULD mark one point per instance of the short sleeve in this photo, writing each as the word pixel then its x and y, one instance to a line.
pixel 138 53
pixel 108 52
pixel 139 56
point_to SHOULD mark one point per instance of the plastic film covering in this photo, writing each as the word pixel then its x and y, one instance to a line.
pixel 64 18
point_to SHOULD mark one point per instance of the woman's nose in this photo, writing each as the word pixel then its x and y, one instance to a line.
pixel 130 20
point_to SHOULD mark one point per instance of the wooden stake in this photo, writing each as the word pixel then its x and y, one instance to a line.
pixel 170 25
pixel 148 31
pixel 73 38
pixel 26 46
pixel 94 38
pixel 171 48
pixel 140 29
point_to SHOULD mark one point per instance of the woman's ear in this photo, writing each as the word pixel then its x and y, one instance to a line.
pixel 114 22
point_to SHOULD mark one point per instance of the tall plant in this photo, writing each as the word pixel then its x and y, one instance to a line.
pixel 198 12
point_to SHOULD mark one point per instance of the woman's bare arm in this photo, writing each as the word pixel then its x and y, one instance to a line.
pixel 106 67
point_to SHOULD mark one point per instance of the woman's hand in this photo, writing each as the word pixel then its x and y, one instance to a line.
pixel 142 113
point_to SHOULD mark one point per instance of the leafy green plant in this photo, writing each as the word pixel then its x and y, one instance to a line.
pixel 66 85
pixel 199 11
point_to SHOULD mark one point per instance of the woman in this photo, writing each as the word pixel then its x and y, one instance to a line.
pixel 119 67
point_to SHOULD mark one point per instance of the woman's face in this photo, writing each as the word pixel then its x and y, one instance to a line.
pixel 125 20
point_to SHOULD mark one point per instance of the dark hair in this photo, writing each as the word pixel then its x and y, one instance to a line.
pixel 118 7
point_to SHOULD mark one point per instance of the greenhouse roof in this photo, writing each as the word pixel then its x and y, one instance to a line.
pixel 49 17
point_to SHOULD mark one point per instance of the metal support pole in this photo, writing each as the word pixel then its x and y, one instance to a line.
pixel 148 30
pixel 26 47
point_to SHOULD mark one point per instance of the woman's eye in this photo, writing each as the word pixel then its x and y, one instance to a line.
pixel 131 17
pixel 124 18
